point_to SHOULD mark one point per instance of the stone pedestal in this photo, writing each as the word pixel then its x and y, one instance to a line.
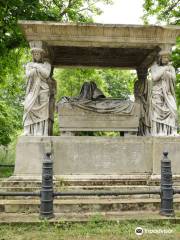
pixel 87 155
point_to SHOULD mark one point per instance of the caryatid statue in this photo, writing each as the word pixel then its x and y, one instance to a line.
pixel 142 93
pixel 163 100
pixel 36 119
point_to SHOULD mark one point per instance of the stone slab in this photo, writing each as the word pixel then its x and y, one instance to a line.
pixel 87 155
pixel 170 144
pixel 82 205
pixel 73 118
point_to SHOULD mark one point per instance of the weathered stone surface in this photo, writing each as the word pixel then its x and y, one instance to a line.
pixel 163 100
pixel 73 118
pixel 81 205
pixel 97 155
pixel 103 45
pixel 36 104
pixel 170 144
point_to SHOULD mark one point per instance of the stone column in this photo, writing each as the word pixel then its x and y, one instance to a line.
pixel 142 96
pixel 52 102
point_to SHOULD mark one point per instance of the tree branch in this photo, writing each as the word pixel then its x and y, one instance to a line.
pixel 70 4
pixel 88 7
pixel 59 5
pixel 170 8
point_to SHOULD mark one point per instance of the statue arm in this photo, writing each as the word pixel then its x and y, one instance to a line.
pixel 29 69
pixel 157 72
pixel 45 70
pixel 173 73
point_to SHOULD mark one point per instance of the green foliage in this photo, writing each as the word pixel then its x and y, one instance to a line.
pixel 113 82
pixel 6 123
pixel 119 83
pixel 69 81
pixel 176 63
pixel 12 49
pixel 53 10
pixel 7 156
pixel 12 89
pixel 164 10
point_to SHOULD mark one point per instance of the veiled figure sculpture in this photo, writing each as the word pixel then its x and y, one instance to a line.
pixel 36 104
pixel 163 101
pixel 92 99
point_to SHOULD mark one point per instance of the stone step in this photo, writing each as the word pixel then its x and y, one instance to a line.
pixel 86 180
pixel 85 188
pixel 83 205
pixel 10 182
pixel 77 189
pixel 22 184
pixel 117 216
pixel 82 189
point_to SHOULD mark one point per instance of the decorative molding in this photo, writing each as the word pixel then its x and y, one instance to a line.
pixel 96 34
pixel 100 45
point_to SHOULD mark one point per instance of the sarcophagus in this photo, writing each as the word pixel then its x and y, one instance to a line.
pixel 99 115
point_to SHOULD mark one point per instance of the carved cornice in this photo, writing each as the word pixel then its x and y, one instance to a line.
pixel 99 45
pixel 99 35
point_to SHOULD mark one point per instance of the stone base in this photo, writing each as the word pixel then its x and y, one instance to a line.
pixel 87 155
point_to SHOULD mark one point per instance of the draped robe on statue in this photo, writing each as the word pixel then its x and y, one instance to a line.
pixel 164 109
pixel 36 104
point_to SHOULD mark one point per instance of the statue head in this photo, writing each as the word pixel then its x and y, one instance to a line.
pixel 164 57
pixel 38 54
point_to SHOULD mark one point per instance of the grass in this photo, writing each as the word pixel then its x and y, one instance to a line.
pixel 7 156
pixel 94 229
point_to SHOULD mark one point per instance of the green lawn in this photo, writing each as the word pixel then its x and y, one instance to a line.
pixel 6 172
pixel 94 229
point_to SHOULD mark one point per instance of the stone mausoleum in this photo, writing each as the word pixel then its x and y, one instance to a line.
pixel 147 126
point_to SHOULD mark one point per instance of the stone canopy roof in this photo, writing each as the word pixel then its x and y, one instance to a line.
pixel 101 45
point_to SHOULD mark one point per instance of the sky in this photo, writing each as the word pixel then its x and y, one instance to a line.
pixel 121 12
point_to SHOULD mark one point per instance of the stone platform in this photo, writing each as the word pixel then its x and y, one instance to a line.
pixel 77 206
pixel 93 164
pixel 86 155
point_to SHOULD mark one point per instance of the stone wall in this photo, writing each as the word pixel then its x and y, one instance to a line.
pixel 87 155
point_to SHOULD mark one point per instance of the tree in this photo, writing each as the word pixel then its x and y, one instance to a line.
pixel 166 11
pixel 114 83
pixel 120 83
pixel 70 81
pixel 12 89
pixel 52 10
pixel 13 49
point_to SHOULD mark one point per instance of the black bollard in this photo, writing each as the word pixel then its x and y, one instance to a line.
pixel 166 187
pixel 46 207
